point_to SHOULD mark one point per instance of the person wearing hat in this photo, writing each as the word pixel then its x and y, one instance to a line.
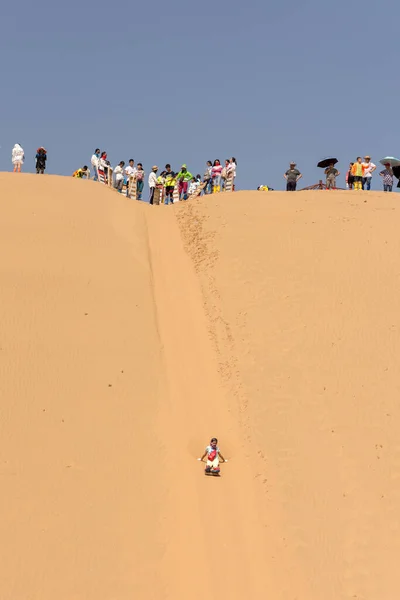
pixel 41 157
pixel 368 169
pixel 292 176
pixel 152 183
pixel 183 177
pixel 331 173
pixel 387 177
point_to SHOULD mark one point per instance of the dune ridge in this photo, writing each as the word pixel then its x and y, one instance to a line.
pixel 131 334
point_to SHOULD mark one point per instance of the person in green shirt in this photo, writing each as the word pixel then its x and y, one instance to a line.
pixel 183 177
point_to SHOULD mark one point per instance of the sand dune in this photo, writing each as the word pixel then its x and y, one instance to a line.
pixel 131 334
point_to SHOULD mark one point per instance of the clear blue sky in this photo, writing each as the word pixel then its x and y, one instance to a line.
pixel 187 82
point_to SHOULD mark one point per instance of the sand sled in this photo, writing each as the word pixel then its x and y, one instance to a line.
pixel 215 472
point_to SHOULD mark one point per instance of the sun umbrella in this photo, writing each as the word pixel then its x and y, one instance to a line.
pixel 393 162
pixel 327 162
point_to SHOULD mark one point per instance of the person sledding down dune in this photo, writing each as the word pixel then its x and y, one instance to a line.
pixel 213 455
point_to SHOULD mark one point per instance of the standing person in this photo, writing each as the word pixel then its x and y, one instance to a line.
pixel 152 183
pixel 331 173
pixel 224 174
pixel 207 178
pixel 350 177
pixel 292 176
pixel 41 157
pixel 357 172
pixel 139 180
pixel 368 169
pixel 130 171
pixel 119 176
pixel 231 171
pixel 387 177
pixel 183 177
pixel 216 173
pixel 160 186
pixel 17 157
pixel 103 165
pixel 169 184
pixel 95 163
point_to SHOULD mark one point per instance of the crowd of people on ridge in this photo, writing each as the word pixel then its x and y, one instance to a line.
pixel 214 178
pixel 216 175
pixel 358 175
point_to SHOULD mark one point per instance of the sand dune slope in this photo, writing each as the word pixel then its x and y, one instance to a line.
pixel 131 334
pixel 302 296
pixel 80 375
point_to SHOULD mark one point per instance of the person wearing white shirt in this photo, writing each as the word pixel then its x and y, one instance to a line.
pixel 119 176
pixel 95 163
pixel 368 169
pixel 17 157
pixel 152 183
pixel 193 186
pixel 130 171
pixel 231 171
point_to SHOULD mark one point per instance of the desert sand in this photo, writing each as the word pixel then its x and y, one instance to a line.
pixel 131 334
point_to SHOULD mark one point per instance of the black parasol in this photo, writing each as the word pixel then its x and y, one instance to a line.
pixel 327 162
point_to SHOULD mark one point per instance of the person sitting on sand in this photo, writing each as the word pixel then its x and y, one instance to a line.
pixel 80 173
pixel 213 455
pixel 331 173
pixel 194 186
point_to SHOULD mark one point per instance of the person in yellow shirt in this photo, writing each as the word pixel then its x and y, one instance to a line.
pixel 357 172
pixel 169 184
pixel 80 173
